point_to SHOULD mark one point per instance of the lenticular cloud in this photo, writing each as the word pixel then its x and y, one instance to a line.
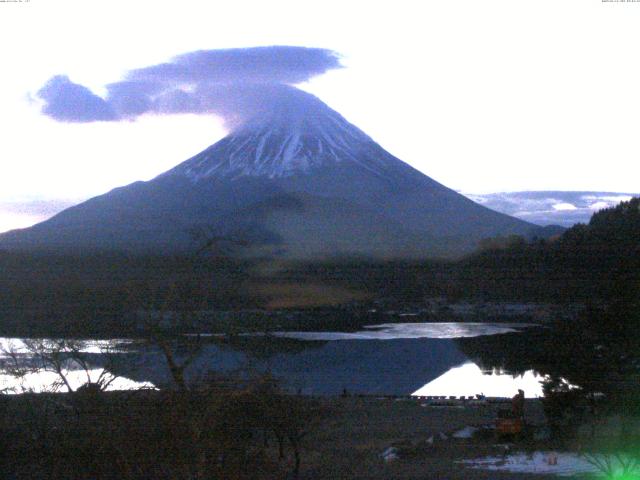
pixel 236 84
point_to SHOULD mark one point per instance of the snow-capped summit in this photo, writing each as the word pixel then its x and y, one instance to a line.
pixel 297 135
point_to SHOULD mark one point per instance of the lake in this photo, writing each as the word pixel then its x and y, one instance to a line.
pixel 425 359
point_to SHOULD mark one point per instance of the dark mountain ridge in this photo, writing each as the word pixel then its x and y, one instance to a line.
pixel 298 181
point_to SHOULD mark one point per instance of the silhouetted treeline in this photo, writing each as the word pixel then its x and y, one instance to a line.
pixel 588 263
pixel 55 294
pixel 64 294
pixel 251 432
pixel 599 351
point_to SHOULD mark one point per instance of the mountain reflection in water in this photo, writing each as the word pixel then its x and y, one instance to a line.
pixel 390 359
pixel 469 380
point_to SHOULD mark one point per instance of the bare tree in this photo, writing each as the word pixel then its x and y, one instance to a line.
pixel 60 357
pixel 177 361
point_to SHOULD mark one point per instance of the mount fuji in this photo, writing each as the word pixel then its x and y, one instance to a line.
pixel 295 180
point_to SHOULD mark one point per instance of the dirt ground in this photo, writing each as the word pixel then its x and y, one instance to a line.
pixel 349 443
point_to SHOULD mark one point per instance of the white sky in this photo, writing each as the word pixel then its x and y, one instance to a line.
pixel 481 95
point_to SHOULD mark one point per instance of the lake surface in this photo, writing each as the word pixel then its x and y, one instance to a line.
pixel 386 359
pixel 401 331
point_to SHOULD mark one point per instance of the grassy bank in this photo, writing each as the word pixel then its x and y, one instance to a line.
pixel 254 433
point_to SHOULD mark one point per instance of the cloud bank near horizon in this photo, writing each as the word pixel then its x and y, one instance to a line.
pixel 551 207
pixel 235 84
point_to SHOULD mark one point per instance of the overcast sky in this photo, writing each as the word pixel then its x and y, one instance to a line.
pixel 481 95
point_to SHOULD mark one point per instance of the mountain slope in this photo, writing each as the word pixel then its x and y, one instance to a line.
pixel 350 197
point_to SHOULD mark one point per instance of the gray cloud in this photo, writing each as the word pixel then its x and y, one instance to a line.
pixel 551 207
pixel 235 84
pixel 69 102
pixel 258 65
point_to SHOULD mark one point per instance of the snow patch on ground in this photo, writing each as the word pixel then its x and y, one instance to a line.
pixel 555 463
pixel 390 454
pixel 466 432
